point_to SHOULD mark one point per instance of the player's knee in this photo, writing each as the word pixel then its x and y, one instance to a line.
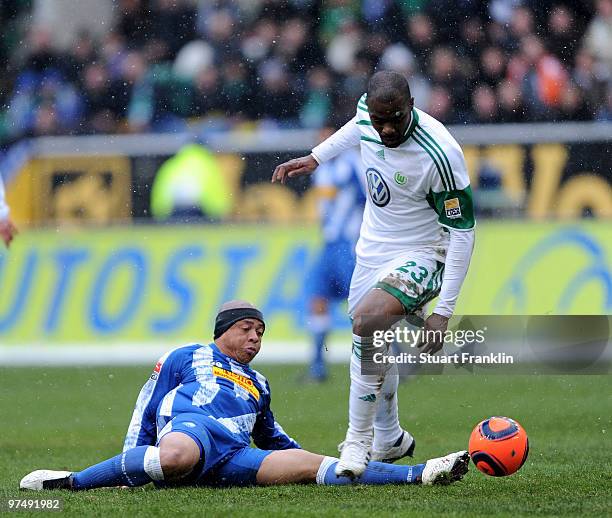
pixel 363 324
pixel 377 311
pixel 178 457
pixel 176 462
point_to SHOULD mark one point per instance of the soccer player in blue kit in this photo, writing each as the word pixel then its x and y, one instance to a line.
pixel 196 416
pixel 341 196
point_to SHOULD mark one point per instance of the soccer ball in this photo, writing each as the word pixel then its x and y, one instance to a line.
pixel 498 446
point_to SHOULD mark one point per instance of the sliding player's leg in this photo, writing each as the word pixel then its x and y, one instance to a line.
pixel 175 457
pixel 299 466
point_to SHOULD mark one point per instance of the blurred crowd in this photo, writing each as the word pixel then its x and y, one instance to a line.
pixel 159 65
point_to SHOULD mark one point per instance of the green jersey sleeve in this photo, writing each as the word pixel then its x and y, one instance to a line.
pixel 450 194
pixel 455 208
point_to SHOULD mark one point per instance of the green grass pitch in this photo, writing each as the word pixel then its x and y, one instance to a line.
pixel 61 418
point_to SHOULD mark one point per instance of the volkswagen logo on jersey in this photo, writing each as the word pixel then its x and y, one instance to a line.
pixel 379 190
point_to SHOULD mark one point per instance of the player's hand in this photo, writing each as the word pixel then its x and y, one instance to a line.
pixel 435 340
pixel 296 167
pixel 7 231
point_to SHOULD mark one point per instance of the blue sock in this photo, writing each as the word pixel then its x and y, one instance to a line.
pixel 134 467
pixel 317 368
pixel 377 473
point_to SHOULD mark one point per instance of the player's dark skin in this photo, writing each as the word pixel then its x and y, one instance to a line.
pixel 390 119
pixel 378 310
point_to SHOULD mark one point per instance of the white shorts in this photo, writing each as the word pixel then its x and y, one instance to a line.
pixel 414 279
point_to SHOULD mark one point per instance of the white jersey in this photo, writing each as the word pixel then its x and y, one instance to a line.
pixel 414 190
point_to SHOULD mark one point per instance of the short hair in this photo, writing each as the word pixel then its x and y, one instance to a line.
pixel 386 85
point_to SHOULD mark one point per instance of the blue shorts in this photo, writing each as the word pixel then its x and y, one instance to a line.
pixel 223 460
pixel 330 277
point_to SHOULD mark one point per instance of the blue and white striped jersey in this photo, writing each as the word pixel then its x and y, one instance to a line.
pixel 200 378
pixel 341 189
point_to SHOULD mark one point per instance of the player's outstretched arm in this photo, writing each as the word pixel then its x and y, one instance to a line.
pixel 8 231
pixel 296 167
pixel 346 137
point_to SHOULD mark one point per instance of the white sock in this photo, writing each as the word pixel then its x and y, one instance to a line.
pixel 364 394
pixel 326 463
pixel 387 429
pixel 152 463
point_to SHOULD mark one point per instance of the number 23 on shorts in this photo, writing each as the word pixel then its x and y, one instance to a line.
pixel 416 277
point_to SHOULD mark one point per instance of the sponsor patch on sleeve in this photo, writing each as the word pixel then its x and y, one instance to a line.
pixel 452 208
pixel 156 371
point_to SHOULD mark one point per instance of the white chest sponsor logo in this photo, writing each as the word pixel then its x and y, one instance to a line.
pixel 379 190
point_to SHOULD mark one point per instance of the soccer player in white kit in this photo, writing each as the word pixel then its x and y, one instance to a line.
pixel 415 243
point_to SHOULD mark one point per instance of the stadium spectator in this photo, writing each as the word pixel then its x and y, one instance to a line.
pixel 492 68
pixel 511 107
pixel 563 36
pixel 134 22
pixel 591 79
pixel 598 38
pixel 604 114
pixel 173 25
pixel 318 98
pixel 158 56
pixel 276 84
pixel 138 92
pixel 206 97
pixel 445 71
pixel 421 38
pixel 190 187
pixel 544 79
pixel 99 100
pixel 485 105
pixel 441 105
pixel 236 90
pixel 572 105
pixel 473 39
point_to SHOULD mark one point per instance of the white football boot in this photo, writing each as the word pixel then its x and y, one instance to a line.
pixel 354 458
pixel 405 448
pixel 445 470
pixel 46 479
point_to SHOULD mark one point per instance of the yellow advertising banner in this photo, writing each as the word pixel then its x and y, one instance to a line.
pixel 145 283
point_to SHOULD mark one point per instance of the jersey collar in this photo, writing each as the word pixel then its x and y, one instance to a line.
pixel 414 120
